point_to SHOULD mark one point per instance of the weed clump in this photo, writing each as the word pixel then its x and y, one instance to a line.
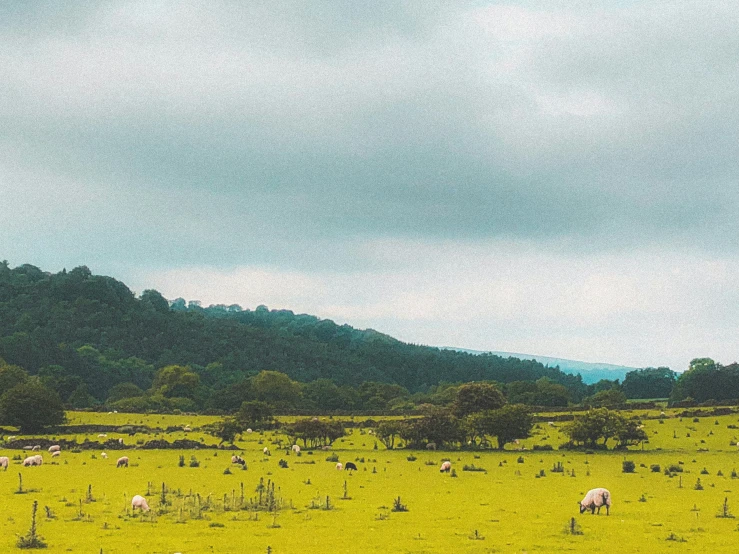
pixel 398 506
pixel 627 466
pixel 31 539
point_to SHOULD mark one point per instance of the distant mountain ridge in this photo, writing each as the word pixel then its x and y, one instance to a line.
pixel 590 372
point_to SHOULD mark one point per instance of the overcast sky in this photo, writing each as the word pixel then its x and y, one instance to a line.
pixel 557 178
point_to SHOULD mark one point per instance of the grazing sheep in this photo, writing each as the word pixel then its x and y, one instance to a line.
pixel 120 441
pixel 249 430
pixel 238 460
pixel 4 461
pixel 36 460
pixel 55 453
pixel 27 447
pixel 296 449
pixel 446 467
pixel 36 448
pixel 339 466
pixel 186 429
pixel 104 455
pixel 266 451
pixel 596 498
pixel 122 461
pixel 139 501
pixel 550 423
pixel 55 448
pixel 350 466
pixel 102 435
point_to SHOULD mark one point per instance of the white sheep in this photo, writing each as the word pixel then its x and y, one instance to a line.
pixel 596 498
pixel 55 453
pixel 4 462
pixel 446 467
pixel 296 449
pixel 249 430
pixel 102 435
pixel 104 455
pixel 122 461
pixel 139 501
pixel 339 466
pixel 266 451
pixel 186 429
pixel 55 448
pixel 36 460
pixel 120 441
pixel 36 448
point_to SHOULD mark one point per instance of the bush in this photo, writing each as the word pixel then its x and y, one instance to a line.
pixel 628 466
pixel 655 468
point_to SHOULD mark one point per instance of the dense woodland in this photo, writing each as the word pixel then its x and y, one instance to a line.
pixel 94 342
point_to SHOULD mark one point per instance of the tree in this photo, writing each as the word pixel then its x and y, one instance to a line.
pixel 276 389
pixel 176 381
pixel 596 424
pixel 11 376
pixel 254 414
pixel 387 431
pixel 506 424
pixel 439 426
pixel 649 383
pixel 607 398
pixel 30 406
pixel 477 397
pixel 154 300
pixel 124 390
pixel 226 429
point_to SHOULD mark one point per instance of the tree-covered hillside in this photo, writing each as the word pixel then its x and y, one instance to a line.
pixel 87 333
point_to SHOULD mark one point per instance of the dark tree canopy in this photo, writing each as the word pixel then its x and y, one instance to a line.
pixel 31 407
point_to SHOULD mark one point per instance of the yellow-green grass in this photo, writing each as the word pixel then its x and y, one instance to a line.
pixel 509 506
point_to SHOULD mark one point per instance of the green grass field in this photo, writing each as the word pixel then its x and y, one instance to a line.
pixel 509 507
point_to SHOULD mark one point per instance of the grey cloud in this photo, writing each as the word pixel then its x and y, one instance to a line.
pixel 231 134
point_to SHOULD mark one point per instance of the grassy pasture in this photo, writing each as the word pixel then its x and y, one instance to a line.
pixel 510 506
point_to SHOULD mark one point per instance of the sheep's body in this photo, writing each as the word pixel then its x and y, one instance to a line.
pixel 36 448
pixel 139 501
pixel 4 462
pixel 350 466
pixel 104 455
pixel 238 460
pixel 339 466
pixel 36 460
pixel 596 498
pixel 446 467
pixel 55 448
pixel 266 451
pixel 122 461
pixel 296 449
pixel 55 454
pixel 102 435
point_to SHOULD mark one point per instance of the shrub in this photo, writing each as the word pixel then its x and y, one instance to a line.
pixel 655 468
pixel 627 466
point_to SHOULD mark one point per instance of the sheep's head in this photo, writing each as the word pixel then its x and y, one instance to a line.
pixel 582 508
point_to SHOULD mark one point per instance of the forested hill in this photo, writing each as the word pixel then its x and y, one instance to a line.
pixel 77 327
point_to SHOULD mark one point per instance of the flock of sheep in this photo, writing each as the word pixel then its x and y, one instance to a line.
pixel 594 500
